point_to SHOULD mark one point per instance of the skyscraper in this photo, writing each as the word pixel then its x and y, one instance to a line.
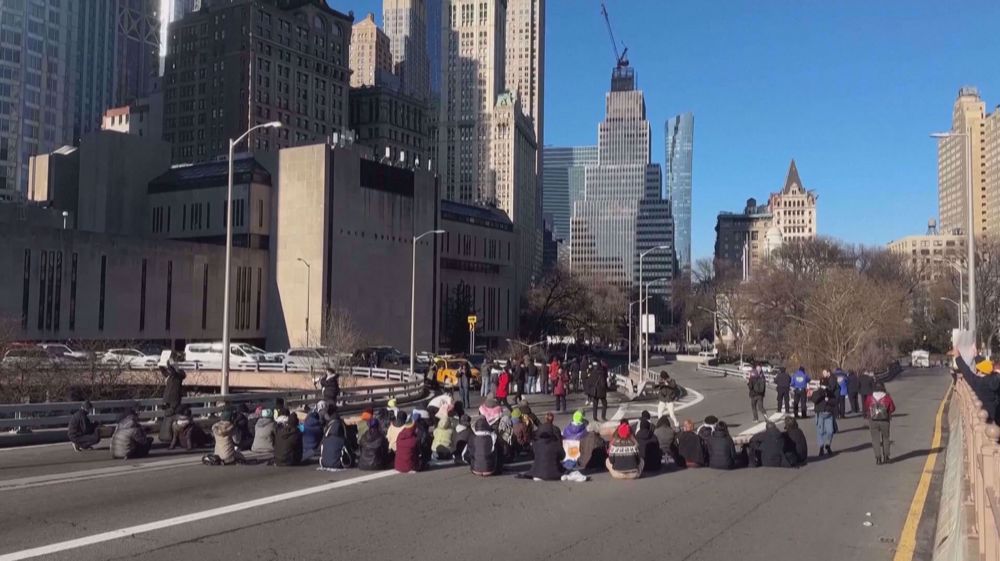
pixel 968 117
pixel 37 60
pixel 525 63
pixel 405 23
pixel 435 10
pixel 606 232
pixel 171 11
pixel 562 183
pixel 117 57
pixel 679 149
pixel 370 53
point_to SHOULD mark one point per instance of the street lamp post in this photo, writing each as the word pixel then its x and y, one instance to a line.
pixel 308 293
pixel 961 296
pixel 971 237
pixel 229 252
pixel 413 294
pixel 646 345
pixel 959 304
pixel 641 299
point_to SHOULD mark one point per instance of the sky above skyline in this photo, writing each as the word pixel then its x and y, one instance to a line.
pixel 850 90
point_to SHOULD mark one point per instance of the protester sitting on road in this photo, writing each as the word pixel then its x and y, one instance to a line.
pixel 362 424
pixel 287 439
pixel 392 433
pixel 624 459
pixel 691 447
pixel 441 404
pixel 521 431
pixel 187 433
pixel 721 448
pixel 225 449
pixel 483 453
pixel 334 455
pixel 572 436
pixel 129 439
pixel 768 447
pixel 649 446
pixel 798 449
pixel 312 435
pixel 374 449
pixel 880 408
pixel 668 392
pixel 708 427
pixel 463 432
pixel 825 407
pixel 444 436
pixel 408 449
pixel 667 437
pixel 491 411
pixel 508 447
pixel 83 433
pixel 392 409
pixel 593 452
pixel 548 452
pixel 263 432
pixel 424 437
pixel 242 434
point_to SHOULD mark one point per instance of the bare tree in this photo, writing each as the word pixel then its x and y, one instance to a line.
pixel 988 293
pixel 341 337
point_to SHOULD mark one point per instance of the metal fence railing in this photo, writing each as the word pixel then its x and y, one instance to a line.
pixel 982 468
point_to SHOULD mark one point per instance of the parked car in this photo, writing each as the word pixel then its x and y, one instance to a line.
pixel 380 357
pixel 308 357
pixel 63 350
pixel 129 358
pixel 24 356
pixel 210 354
pixel 447 371
pixel 709 354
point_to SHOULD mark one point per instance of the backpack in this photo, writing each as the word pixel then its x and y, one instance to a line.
pixel 878 411
pixel 759 386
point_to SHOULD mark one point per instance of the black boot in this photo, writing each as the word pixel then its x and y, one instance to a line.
pixel 878 461
pixel 829 450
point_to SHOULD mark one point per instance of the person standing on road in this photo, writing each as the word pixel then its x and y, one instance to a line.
pixel 800 387
pixel 783 385
pixel 173 378
pixel 560 387
pixel 669 392
pixel 825 407
pixel 599 387
pixel 83 433
pixel 841 377
pixel 550 380
pixel 866 386
pixel 757 386
pixel 880 408
pixel 520 377
pixel 852 391
pixel 532 370
pixel 331 387
pixel 464 382
pixel 503 387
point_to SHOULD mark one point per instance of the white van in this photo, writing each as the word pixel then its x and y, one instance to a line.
pixel 920 359
pixel 210 354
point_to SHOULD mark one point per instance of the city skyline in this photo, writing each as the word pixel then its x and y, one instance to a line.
pixel 880 83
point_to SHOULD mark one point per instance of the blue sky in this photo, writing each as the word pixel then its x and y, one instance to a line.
pixel 850 89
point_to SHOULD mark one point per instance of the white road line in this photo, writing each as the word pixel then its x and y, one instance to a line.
pixel 632 409
pixel 775 417
pixel 187 518
pixel 97 473
pixel 33 446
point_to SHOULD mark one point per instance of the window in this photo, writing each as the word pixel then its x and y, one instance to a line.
pixel 259 284
pixel 58 291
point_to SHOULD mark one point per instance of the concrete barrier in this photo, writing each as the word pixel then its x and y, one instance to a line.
pixel 951 536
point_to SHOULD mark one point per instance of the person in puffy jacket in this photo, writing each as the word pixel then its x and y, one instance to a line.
pixel 560 387
pixel 312 435
pixel 624 458
pixel 263 433
pixel 667 437
pixel 83 433
pixel 392 433
pixel 225 448
pixel 880 408
pixel 483 453
pixel 374 449
pixel 186 432
pixel 287 440
pixel 129 439
pixel 649 445
pixel 798 449
pixel 783 388
pixel 668 392
pixel 768 447
pixel 333 453
pixel 408 450
pixel 444 436
pixel 691 447
pixel 331 386
pixel 548 450
pixel 721 448
pixel 173 378
pixel 242 432
pixel 503 386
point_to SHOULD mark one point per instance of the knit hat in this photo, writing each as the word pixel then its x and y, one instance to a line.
pixel 985 366
pixel 266 413
pixel 366 416
pixel 644 415
pixel 515 414
pixel 711 420
pixel 624 429
pixel 578 417
pixel 392 403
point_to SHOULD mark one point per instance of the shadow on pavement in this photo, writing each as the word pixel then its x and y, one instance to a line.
pixel 917 454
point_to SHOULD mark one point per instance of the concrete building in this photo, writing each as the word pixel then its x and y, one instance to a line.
pixel 478 258
pixel 678 159
pixel 54 179
pixel 524 66
pixel 931 255
pixel 968 117
pixel 794 208
pixel 605 222
pixel 343 246
pixel 37 59
pixel 117 57
pixel 406 25
pixel 143 117
pixel 171 11
pixel 394 125
pixel 370 54
pixel 991 161
pixel 515 189
pixel 233 65
pixel 655 228
pixel 742 240
pixel 435 13
pixel 473 48
pixel 563 183
pixel 188 203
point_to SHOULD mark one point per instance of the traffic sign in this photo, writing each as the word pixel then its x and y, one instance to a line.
pixel 472 322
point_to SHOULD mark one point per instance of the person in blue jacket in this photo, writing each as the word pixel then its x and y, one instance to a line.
pixel 842 397
pixel 312 435
pixel 800 383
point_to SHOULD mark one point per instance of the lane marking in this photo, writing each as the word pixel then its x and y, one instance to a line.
pixel 774 418
pixel 97 473
pixel 188 518
pixel 907 543
pixel 631 408
pixel 32 446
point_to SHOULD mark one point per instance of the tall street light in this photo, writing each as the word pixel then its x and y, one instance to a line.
pixel 229 251
pixel 959 304
pixel 649 284
pixel 641 299
pixel 308 292
pixel 971 237
pixel 961 296
pixel 413 294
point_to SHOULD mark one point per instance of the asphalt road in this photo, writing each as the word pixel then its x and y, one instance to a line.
pixel 183 510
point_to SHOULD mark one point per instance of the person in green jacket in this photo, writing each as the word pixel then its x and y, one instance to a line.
pixel 444 434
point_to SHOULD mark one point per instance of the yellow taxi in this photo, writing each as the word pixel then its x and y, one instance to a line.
pixel 447 371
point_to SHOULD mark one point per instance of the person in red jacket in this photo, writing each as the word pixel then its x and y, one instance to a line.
pixel 880 407
pixel 503 387
pixel 550 380
pixel 408 450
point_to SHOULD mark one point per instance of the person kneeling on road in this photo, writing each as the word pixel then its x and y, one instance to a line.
pixel 287 440
pixel 129 439
pixel 624 460
pixel 83 433
pixel 721 448
pixel 483 453
pixel 798 449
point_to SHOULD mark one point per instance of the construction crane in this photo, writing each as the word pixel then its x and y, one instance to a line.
pixel 620 58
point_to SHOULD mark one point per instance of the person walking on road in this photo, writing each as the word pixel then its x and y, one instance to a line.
pixel 852 392
pixel 669 392
pixel 841 377
pixel 757 386
pixel 825 406
pixel 800 387
pixel 880 408
pixel 783 386
pixel 866 386
pixel 599 387
pixel 83 433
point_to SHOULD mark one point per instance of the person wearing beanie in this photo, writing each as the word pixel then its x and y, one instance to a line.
pixel 187 433
pixel 374 449
pixel 444 436
pixel 483 452
pixel 362 424
pixel 287 440
pixel 522 431
pixel 548 453
pixel 392 433
pixel 408 453
pixel 312 435
pixel 334 454
pixel 129 439
pixel 263 433
pixel 649 445
pixel 798 448
pixel 708 427
pixel 83 433
pixel 624 460
pixel 721 448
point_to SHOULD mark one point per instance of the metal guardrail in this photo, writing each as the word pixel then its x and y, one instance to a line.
pixel 58 414
pixel 982 469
